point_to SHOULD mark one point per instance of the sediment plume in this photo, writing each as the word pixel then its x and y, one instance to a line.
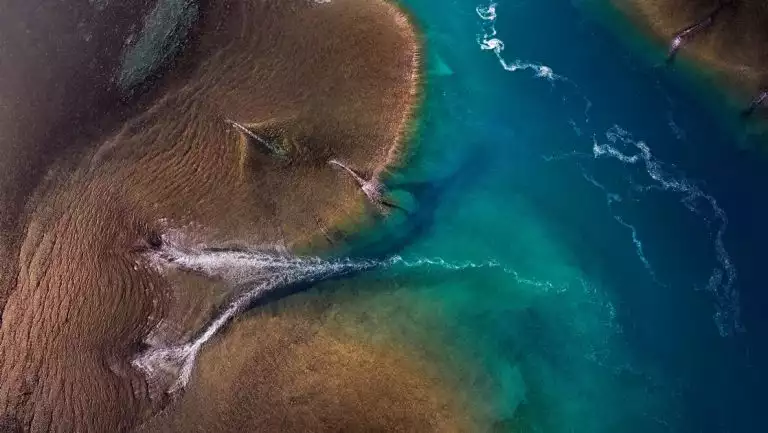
pixel 79 296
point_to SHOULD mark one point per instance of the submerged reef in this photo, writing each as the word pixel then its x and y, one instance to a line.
pixel 359 355
pixel 293 372
pixel 221 139
pixel 728 36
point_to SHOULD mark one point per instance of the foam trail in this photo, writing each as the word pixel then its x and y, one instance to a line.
pixel 488 41
pixel 606 149
pixel 460 266
pixel 179 361
pixel 373 189
pixel 676 129
pixel 722 280
pixel 638 245
pixel 575 127
pixel 262 272
pixel 611 198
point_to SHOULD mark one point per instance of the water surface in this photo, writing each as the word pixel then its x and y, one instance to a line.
pixel 605 218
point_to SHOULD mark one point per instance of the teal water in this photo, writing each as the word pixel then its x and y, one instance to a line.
pixel 599 227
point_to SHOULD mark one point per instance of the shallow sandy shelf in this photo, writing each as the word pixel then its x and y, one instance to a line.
pixel 735 46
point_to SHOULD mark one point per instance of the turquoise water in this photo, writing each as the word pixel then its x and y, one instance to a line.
pixel 604 226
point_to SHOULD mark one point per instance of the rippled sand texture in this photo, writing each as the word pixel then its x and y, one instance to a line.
pixel 292 373
pixel 56 64
pixel 332 80
pixel 358 355
pixel 734 45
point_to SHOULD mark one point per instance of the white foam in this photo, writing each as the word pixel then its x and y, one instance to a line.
pixel 179 361
pixel 260 272
pixel 488 41
pixel 464 265
pixel 638 245
pixel 722 280
pixel 487 13
pixel 610 198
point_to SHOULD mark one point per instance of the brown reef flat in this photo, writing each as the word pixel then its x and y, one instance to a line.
pixel 735 46
pixel 321 80
pixel 55 88
pixel 291 372
pixel 341 357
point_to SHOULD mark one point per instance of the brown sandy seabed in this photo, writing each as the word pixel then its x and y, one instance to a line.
pixel 337 80
pixel 304 366
pixel 735 48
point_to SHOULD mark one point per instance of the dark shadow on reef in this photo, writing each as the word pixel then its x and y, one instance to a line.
pixel 428 195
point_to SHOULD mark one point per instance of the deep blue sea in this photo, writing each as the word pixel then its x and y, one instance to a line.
pixel 588 228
